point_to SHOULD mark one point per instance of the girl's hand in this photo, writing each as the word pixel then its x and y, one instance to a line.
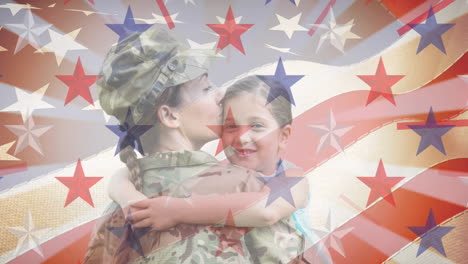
pixel 127 209
pixel 154 213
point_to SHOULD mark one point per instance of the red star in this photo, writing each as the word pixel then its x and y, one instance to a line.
pixel 380 185
pixel 229 32
pixel 78 83
pixel 66 1
pixel 380 83
pixel 229 123
pixel 229 236
pixel 79 185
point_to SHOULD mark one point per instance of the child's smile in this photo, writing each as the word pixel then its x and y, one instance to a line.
pixel 253 138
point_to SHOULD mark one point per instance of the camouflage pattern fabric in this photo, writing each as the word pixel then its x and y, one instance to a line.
pixel 142 66
pixel 181 174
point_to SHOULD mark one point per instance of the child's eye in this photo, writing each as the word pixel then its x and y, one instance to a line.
pixel 257 125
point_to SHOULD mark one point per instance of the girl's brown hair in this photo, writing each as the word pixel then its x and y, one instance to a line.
pixel 280 107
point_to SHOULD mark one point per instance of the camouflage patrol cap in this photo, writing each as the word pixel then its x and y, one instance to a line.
pixel 141 67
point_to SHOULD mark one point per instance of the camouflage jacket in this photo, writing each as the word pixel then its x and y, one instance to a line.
pixel 181 174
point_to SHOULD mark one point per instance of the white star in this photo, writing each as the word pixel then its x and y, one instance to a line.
pixel 28 135
pixel 60 44
pixel 330 133
pixel 4 152
pixel 336 33
pixel 283 50
pixel 97 105
pixel 332 237
pixel 52 5
pixel 210 46
pixel 28 32
pixel 158 19
pixel 289 26
pixel 15 8
pixel 196 45
pixel 86 12
pixel 186 2
pixel 28 102
pixel 28 235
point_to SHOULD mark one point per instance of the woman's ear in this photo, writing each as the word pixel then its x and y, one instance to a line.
pixel 169 116
pixel 285 132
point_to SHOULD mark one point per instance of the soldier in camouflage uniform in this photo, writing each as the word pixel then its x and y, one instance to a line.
pixel 141 74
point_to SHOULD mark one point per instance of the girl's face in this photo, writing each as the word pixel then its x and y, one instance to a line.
pixel 200 110
pixel 256 146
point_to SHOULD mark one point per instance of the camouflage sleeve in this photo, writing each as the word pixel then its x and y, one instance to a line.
pixel 223 178
pixel 103 244
pixel 96 246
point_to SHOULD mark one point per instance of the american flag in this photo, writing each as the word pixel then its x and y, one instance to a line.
pixel 380 121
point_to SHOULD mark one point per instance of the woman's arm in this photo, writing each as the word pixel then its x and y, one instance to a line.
pixel 122 190
pixel 248 208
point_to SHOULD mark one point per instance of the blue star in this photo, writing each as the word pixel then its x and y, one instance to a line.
pixel 131 236
pixel 292 1
pixel 431 133
pixel 280 185
pixel 285 82
pixel 129 134
pixel 128 27
pixel 430 236
pixel 431 32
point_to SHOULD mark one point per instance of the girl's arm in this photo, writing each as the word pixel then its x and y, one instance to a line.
pixel 248 208
pixel 122 190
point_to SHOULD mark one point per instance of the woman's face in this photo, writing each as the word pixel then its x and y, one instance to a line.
pixel 253 138
pixel 201 109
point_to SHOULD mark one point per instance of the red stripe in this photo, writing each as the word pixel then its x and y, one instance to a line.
pixel 166 14
pixel 13 169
